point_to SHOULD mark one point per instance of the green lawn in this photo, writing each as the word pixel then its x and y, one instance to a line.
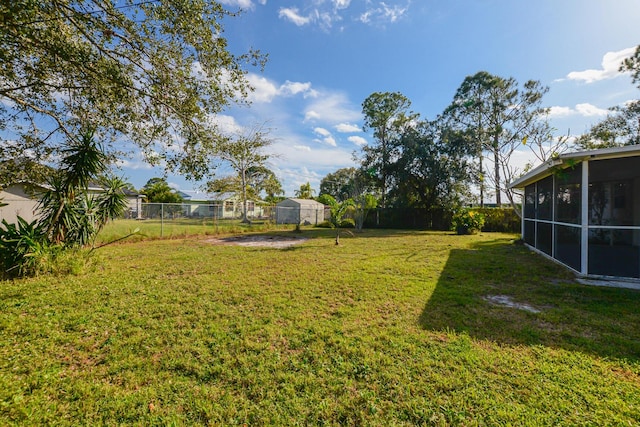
pixel 180 227
pixel 389 328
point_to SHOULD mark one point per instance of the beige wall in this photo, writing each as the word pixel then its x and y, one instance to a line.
pixel 19 203
pixel 23 201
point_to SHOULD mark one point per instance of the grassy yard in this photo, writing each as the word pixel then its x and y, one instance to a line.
pixel 389 328
pixel 181 227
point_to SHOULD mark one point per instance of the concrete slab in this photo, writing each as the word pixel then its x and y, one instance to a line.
pixel 610 283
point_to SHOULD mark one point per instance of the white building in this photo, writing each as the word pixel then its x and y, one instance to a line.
pixel 583 210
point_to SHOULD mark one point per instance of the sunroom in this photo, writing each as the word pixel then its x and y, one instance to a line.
pixel 583 210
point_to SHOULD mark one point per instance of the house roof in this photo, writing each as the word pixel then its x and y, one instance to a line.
pixel 92 187
pixel 201 196
pixel 309 203
pixel 568 159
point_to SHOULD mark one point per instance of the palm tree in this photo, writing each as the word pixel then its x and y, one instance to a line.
pixel 69 214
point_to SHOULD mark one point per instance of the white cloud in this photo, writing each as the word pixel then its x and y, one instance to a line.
pixel 557 111
pixel 383 14
pixel 341 4
pixel 318 157
pixel 322 131
pixel 326 19
pixel 311 115
pixel 347 128
pixel 327 137
pixel 294 88
pixel 610 64
pixel 242 4
pixel 227 124
pixel 332 108
pixel 584 109
pixel 358 140
pixel 264 89
pixel 330 140
pixel 589 110
pixel 292 15
pixel 133 164
pixel 325 13
pixel 394 13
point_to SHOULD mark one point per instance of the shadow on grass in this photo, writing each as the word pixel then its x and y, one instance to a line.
pixel 476 283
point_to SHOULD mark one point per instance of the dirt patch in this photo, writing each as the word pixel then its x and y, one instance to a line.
pixel 506 301
pixel 258 240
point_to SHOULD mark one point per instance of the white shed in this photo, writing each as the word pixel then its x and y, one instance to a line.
pixel 299 211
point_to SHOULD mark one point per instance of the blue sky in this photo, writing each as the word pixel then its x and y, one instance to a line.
pixel 327 56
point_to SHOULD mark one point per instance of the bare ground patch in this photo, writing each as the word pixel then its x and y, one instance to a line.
pixel 259 240
pixel 506 301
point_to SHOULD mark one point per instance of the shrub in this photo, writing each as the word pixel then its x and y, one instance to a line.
pixel 325 224
pixel 347 223
pixel 503 220
pixel 24 249
pixel 467 221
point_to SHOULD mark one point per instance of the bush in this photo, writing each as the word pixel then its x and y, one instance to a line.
pixel 503 220
pixel 24 250
pixel 467 221
pixel 347 223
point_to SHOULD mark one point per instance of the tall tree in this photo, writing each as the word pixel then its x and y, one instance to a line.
pixel 632 65
pixel 387 115
pixel 354 184
pixel 243 152
pixel 261 183
pixel 433 170
pixel 151 72
pixel 157 190
pixel 24 169
pixel 500 115
pixel 620 127
pixel 305 191
pixel 265 184
pixel 339 183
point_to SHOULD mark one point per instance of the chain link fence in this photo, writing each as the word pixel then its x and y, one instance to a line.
pixel 183 211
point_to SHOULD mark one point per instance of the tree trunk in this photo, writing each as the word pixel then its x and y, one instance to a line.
pixel 481 181
pixel 496 159
pixel 244 196
pixel 384 174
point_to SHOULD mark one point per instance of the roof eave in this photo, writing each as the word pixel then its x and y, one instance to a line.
pixel 535 174
pixel 544 169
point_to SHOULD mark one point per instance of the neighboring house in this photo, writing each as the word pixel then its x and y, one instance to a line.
pixel 219 205
pixel 231 206
pixel 196 204
pixel 583 210
pixel 300 211
pixel 22 200
pixel 134 203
